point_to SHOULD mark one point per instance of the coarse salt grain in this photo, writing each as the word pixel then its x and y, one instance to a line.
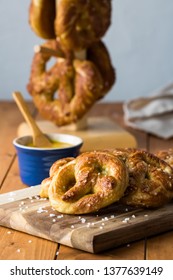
pixel 83 220
pixel 29 241
pixel 18 250
pixel 126 220
pixel 59 217
pixel 52 215
pixel 105 219
pixel 41 210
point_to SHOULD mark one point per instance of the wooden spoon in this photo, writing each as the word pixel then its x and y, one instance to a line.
pixel 39 139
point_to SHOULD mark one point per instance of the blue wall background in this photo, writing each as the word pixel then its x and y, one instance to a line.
pixel 140 42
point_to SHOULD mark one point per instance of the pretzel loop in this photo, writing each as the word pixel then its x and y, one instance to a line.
pixel 66 91
pixel 88 183
pixel 77 23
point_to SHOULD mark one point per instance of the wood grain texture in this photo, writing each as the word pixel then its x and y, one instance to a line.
pixel 160 247
pixel 16 245
pixel 112 135
pixel 130 251
pixel 10 119
pixel 9 181
pixel 156 247
pixel 108 228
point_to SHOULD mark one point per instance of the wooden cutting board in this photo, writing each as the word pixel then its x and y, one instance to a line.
pixel 100 133
pixel 25 211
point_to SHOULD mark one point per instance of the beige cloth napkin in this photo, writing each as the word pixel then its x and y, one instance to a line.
pixel 153 114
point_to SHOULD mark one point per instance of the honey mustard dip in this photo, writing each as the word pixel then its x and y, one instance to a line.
pixel 55 145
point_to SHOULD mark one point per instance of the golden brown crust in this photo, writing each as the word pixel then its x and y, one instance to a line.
pixel 77 23
pixel 53 169
pixel 88 183
pixel 150 180
pixel 80 23
pixel 166 155
pixel 79 83
pixel 41 18
pixel 96 179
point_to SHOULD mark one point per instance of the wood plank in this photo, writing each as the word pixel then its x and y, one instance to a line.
pixel 160 247
pixel 10 181
pixel 156 144
pixel 130 251
pixel 106 229
pixel 112 135
pixel 115 112
pixel 19 246
pixel 156 247
pixel 8 125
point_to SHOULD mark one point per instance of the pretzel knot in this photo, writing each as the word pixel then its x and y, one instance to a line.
pixel 77 23
pixel 88 183
pixel 79 84
pixel 150 179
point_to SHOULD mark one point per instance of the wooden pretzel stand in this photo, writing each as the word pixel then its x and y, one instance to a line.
pixel 98 133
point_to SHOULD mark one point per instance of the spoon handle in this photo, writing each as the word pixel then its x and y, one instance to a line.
pixel 39 139
pixel 25 112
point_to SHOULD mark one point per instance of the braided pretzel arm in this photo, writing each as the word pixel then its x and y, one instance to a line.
pixel 42 80
pixel 88 183
pixel 54 168
pixel 150 179
pixel 41 18
pixel 79 83
pixel 166 155
pixel 78 23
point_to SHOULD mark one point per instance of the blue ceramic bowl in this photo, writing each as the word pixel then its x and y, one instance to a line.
pixel 34 163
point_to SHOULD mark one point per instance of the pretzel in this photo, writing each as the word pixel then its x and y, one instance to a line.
pixel 53 169
pixel 77 23
pixel 79 83
pixel 88 183
pixel 150 179
pixel 41 18
pixel 166 155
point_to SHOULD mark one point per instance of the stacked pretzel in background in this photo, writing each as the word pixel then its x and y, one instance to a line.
pixel 82 73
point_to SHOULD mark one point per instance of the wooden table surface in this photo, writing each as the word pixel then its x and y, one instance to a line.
pixel 16 245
